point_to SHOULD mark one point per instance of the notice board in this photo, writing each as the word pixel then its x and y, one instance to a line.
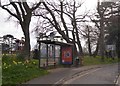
pixel 67 55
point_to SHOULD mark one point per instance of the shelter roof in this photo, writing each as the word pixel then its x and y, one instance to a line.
pixel 55 43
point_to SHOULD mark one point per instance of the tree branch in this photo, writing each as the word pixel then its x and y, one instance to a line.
pixel 22 10
pixel 56 23
pixel 3 7
pixel 17 11
pixel 33 8
pixel 63 21
pixel 27 9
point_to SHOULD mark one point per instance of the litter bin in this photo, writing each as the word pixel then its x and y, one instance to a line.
pixel 36 54
pixel 77 60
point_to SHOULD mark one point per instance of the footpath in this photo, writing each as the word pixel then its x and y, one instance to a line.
pixel 58 75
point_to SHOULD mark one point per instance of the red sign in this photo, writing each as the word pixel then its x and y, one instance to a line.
pixel 67 55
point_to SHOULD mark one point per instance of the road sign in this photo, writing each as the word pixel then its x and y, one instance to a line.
pixel 110 47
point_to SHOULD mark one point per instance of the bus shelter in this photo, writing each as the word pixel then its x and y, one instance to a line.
pixel 66 52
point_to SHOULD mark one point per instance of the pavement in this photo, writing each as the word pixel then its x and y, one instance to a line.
pixel 58 75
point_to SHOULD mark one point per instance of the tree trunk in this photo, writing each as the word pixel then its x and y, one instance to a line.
pixel 102 45
pixel 25 27
pixel 89 47
pixel 118 43
pixel 27 45
pixel 74 23
pixel 97 48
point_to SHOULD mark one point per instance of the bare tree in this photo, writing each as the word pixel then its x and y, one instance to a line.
pixel 64 17
pixel 102 16
pixel 22 11
pixel 90 35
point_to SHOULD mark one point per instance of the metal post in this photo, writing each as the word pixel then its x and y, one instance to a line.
pixel 39 54
pixel 73 57
pixel 11 46
pixel 0 50
pixel 60 55
pixel 1 63
pixel 54 55
pixel 47 55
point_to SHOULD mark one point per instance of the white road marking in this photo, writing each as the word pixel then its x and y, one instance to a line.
pixel 68 82
pixel 58 82
pixel 116 82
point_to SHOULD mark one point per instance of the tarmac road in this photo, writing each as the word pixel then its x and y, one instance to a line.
pixel 104 75
pixel 98 74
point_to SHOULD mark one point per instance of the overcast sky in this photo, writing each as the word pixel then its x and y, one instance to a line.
pixel 11 27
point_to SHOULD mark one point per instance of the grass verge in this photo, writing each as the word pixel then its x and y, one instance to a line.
pixel 89 60
pixel 15 71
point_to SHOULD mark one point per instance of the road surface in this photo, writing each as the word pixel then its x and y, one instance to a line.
pixel 86 75
pixel 102 75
